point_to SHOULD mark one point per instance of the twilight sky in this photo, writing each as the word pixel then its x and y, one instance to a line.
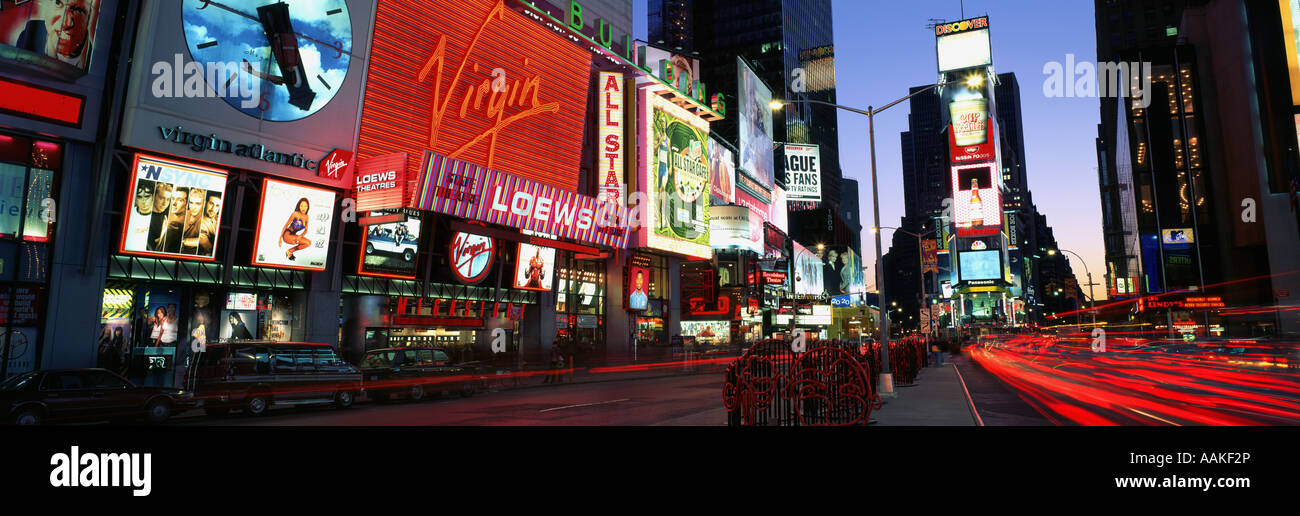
pixel 882 49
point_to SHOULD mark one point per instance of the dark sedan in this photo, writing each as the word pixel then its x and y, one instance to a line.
pixel 412 372
pixel 85 395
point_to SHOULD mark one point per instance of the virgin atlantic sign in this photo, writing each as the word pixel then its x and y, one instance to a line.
pixel 468 191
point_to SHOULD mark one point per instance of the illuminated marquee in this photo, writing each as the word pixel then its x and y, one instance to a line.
pixel 612 137
pixel 466 190
pixel 478 83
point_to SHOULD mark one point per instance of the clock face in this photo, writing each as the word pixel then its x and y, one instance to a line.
pixel 292 55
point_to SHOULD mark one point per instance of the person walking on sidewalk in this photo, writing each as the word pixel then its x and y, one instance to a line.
pixel 557 363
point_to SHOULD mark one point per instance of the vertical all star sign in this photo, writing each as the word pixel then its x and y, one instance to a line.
pixel 612 136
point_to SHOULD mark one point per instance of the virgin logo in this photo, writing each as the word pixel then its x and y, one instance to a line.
pixel 335 164
pixel 471 256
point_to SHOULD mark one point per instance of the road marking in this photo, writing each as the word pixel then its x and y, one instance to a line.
pixel 979 421
pixel 582 405
pixel 1154 417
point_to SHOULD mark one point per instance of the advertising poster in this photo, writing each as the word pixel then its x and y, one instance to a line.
pixel 736 227
pixel 708 332
pixel 678 180
pixel 390 250
pixel 977 201
pixel 238 325
pixel 293 226
pixel 808 272
pixel 174 210
pixel 534 267
pixel 638 283
pixel 115 328
pixel 755 126
pixel 722 174
pixel 841 270
pixel 56 37
pixel 677 70
pixel 963 44
pixel 803 172
pixel 779 210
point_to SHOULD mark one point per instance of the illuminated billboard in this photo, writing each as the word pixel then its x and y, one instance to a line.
pixel 294 224
pixel 679 71
pixel 479 83
pixel 803 172
pixel 675 174
pixel 173 211
pixel 819 68
pixel 980 265
pixel 534 267
pixel 1291 41
pixel 380 182
pixel 755 126
pixel 977 199
pixel 808 272
pixel 53 38
pixel 736 227
pixel 722 174
pixel 963 44
pixel 636 286
pixel 390 249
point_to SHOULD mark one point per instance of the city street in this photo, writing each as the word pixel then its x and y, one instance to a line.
pixel 1131 383
pixel 691 400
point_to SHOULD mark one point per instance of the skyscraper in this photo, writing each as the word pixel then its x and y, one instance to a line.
pixel 776 37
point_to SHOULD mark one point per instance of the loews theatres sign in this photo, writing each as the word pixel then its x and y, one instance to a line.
pixel 477 83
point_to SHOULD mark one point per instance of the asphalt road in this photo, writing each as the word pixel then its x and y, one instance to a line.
pixel 694 400
pixel 997 403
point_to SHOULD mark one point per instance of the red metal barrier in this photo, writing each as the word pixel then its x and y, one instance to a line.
pixel 831 384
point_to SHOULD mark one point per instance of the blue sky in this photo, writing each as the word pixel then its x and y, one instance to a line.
pixel 884 48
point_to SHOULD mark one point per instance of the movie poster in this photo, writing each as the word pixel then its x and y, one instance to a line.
pixel 174 211
pixel 534 267
pixel 391 249
pixel 55 36
pixel 293 226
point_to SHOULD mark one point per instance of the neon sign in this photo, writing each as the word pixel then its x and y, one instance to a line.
pixel 480 83
pixel 471 256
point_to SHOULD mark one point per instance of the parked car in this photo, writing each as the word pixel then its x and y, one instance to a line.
pixel 254 376
pixel 413 372
pixel 86 394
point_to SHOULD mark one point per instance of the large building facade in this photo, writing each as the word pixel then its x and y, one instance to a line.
pixel 1196 179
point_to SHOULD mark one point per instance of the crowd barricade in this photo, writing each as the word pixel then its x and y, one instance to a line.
pixel 829 384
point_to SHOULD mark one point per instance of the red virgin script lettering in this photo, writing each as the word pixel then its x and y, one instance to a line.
pixel 465 248
pixel 481 99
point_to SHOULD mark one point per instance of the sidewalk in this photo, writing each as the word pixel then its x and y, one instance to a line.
pixel 937 399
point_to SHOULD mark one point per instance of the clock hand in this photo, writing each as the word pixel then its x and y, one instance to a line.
pixel 336 46
pixel 278 27
pixel 274 79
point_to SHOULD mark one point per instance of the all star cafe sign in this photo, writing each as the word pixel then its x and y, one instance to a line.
pixel 471 256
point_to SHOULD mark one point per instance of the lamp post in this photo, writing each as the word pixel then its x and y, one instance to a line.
pixel 920 254
pixel 1092 301
pixel 886 375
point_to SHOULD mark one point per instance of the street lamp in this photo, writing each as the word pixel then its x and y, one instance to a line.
pixel 1092 301
pixel 886 375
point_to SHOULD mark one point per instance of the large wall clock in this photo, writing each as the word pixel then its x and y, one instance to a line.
pixel 294 53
